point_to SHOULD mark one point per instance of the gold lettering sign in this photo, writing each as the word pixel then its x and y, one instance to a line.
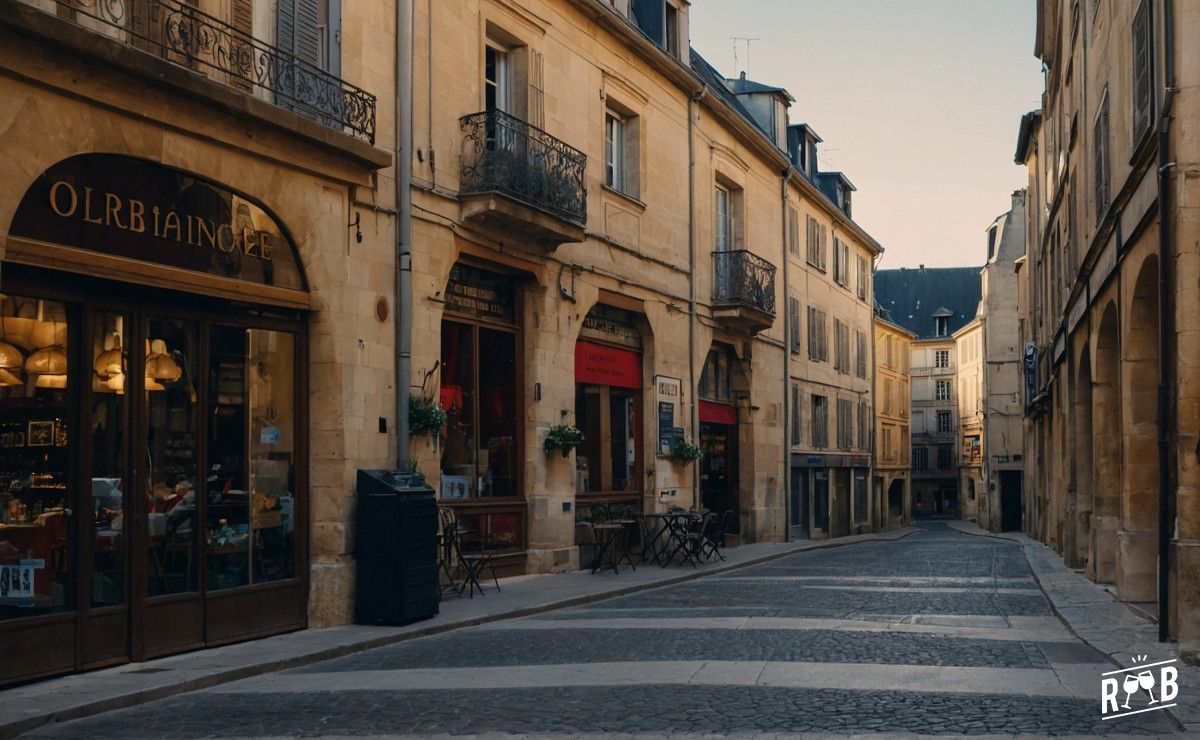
pixel 129 215
pixel 141 210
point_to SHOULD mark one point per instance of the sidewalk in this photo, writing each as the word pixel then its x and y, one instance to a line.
pixel 1099 619
pixel 80 695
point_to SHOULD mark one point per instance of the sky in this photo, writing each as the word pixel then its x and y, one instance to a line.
pixel 917 101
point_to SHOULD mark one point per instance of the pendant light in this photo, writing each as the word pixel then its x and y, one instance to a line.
pixel 110 362
pixel 161 365
pixel 48 364
pixel 11 358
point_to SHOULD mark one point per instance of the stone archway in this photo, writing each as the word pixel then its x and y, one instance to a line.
pixel 1106 449
pixel 1082 458
pixel 1137 537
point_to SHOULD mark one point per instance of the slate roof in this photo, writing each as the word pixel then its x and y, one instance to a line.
pixel 913 296
pixel 743 85
pixel 716 81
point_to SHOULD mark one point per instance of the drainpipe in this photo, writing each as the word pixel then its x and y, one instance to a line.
pixel 403 312
pixel 787 359
pixel 693 102
pixel 1164 320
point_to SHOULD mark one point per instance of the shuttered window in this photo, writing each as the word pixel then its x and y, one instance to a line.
pixel 862 354
pixel 793 231
pixel 1100 157
pixel 1143 71
pixel 820 422
pixel 845 424
pixel 818 349
pixel 794 324
pixel 795 413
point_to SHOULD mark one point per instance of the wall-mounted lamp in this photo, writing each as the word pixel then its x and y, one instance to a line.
pixel 357 224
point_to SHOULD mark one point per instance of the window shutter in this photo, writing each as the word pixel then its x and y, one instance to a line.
pixel 794 321
pixel 308 37
pixel 793 231
pixel 1100 161
pixel 537 91
pixel 242 19
pixel 795 413
pixel 1142 70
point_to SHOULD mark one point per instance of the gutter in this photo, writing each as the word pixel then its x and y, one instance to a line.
pixel 694 412
pixel 1165 324
pixel 787 358
pixel 403 308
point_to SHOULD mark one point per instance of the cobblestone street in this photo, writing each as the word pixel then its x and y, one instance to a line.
pixel 937 633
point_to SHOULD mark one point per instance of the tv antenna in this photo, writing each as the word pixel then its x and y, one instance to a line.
pixel 747 39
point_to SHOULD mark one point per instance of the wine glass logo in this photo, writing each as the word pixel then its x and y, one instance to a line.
pixel 1130 685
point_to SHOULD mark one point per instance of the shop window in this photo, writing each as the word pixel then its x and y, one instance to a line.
pixel 250 532
pixel 861 514
pixel 714 380
pixel 172 476
pixel 479 372
pixel 36 471
pixel 610 456
pixel 109 430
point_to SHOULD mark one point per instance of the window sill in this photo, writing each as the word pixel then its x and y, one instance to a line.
pixel 630 200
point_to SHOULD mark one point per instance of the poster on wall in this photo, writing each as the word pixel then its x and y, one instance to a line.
pixel 670 409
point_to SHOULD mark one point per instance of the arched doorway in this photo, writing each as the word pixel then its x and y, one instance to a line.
pixel 1082 458
pixel 1106 449
pixel 1137 555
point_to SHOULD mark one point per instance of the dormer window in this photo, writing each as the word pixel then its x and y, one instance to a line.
pixel 660 21
pixel 941 326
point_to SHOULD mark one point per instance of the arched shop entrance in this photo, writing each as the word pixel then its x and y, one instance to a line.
pixel 152 419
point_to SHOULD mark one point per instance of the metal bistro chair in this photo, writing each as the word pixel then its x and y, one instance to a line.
pixel 471 563
pixel 712 537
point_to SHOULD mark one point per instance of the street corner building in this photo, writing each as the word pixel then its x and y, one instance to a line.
pixel 1109 299
pixel 194 343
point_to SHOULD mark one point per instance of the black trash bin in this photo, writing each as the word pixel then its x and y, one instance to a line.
pixel 395 548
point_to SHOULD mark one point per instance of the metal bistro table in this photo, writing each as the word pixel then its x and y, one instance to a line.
pixel 656 537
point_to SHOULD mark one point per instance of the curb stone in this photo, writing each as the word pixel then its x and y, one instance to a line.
pixel 1186 715
pixel 145 695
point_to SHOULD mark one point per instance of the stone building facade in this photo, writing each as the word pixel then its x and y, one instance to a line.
pixel 1003 352
pixel 1111 157
pixel 198 264
pixel 971 445
pixel 893 419
pixel 939 306
pixel 605 233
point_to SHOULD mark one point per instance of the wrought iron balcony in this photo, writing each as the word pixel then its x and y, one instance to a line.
pixel 521 177
pixel 743 290
pixel 189 37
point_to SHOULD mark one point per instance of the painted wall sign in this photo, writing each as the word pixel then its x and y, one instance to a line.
pixel 600 365
pixel 140 210
pixel 481 294
pixel 608 324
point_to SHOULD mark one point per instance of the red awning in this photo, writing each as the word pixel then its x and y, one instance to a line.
pixel 717 413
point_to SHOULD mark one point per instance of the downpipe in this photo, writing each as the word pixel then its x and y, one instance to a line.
pixel 1165 324
pixel 403 148
pixel 693 103
pixel 787 357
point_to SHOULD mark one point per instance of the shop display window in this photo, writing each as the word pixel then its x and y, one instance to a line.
pixel 250 527
pixel 479 380
pixel 610 457
pixel 109 430
pixel 35 467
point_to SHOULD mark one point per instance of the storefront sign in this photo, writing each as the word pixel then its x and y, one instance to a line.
pixel 481 294
pixel 608 324
pixel 139 210
pixel 602 365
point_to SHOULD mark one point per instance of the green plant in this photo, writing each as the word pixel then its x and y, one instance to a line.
pixel 425 417
pixel 563 437
pixel 685 452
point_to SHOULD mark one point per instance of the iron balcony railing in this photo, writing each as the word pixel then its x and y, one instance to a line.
pixel 503 154
pixel 184 35
pixel 742 278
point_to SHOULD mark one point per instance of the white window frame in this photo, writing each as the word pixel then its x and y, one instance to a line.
pixel 614 151
pixel 722 219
